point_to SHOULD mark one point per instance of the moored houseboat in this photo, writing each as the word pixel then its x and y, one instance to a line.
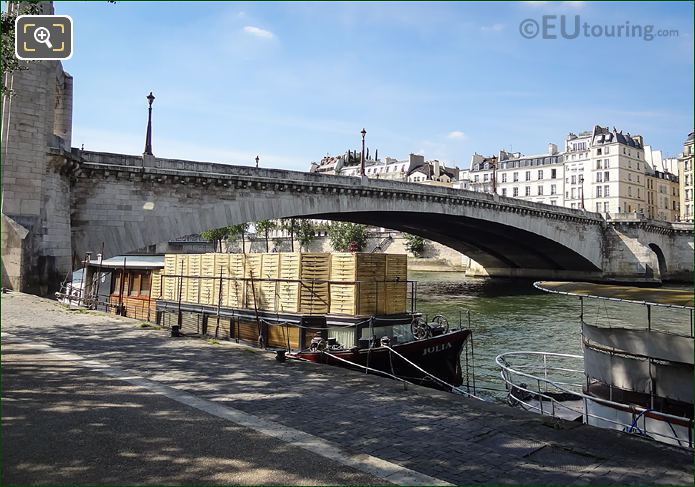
pixel 350 309
pixel 635 373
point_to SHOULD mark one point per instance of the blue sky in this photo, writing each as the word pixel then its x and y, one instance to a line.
pixel 295 81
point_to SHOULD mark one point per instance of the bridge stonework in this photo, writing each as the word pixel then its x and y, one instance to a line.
pixel 58 201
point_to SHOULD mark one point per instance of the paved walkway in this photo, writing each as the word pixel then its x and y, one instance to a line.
pixel 89 398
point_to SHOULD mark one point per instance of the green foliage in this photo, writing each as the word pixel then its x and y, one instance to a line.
pixel 306 232
pixel 291 226
pixel 9 62
pixel 414 244
pixel 347 237
pixel 216 236
pixel 264 227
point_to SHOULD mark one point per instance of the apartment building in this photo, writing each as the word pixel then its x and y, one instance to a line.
pixel 685 175
pixel 601 170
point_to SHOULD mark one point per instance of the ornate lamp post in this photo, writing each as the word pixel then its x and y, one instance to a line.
pixel 362 173
pixel 148 138
pixel 257 159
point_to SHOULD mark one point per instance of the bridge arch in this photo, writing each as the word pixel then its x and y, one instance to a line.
pixel 661 259
pixel 129 207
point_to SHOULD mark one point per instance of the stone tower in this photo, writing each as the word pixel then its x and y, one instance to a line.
pixel 36 145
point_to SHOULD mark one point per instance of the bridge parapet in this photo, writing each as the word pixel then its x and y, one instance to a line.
pixel 184 172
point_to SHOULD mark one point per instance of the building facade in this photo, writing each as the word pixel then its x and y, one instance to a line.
pixel 685 175
pixel 601 170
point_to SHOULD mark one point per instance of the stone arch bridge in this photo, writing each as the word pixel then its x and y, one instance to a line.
pixel 129 202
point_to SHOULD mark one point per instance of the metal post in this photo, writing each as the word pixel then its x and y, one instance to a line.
pixel 87 255
pixel 122 288
pixel 581 309
pixel 219 303
pixel 180 317
pixel 649 317
pixel 101 259
pixel 468 312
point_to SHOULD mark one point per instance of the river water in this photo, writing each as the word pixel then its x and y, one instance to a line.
pixel 511 315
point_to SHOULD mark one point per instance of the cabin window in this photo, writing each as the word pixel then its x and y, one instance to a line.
pixel 135 282
pixel 145 284
pixel 116 283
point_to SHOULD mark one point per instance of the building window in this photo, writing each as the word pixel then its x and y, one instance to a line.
pixel 574 179
pixel 528 190
pixel 504 177
pixel 486 177
pixel 573 193
pixel 504 191
pixel 598 207
pixel 573 206
pixel 606 176
pixel 598 164
pixel 553 173
pixel 629 176
pixel 605 207
pixel 528 175
pixel 599 177
pixel 598 151
pixel 540 190
pixel 598 191
pixel 605 150
pixel 606 163
pixel 476 178
pixel 553 189
pixel 516 177
pixel 606 191
pixel 629 191
pixel 553 202
pixel 515 192
pixel 540 174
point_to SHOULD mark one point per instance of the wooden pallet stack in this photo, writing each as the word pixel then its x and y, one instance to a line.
pixel 396 287
pixel 288 288
pixel 252 273
pixel 170 284
pixel 270 271
pixel 212 265
pixel 233 289
pixel 314 272
pixel 193 272
pixel 363 292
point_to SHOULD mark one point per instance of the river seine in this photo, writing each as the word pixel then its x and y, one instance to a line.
pixel 511 315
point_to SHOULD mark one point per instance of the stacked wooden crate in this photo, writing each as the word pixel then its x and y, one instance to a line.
pixel 288 288
pixel 314 272
pixel 363 291
pixel 193 273
pixel 270 272
pixel 170 284
pixel 252 273
pixel 213 266
pixel 396 286
pixel 233 288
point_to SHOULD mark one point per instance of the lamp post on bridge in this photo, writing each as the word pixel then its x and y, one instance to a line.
pixel 257 159
pixel 362 173
pixel 148 137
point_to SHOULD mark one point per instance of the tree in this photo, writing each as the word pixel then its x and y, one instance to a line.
pixel 216 235
pixel 9 62
pixel 291 226
pixel 305 233
pixel 414 244
pixel 238 231
pixel 347 237
pixel 265 226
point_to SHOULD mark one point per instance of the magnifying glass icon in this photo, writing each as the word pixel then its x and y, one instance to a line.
pixel 43 36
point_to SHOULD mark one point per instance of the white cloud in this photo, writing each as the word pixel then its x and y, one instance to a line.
pixel 258 32
pixel 456 134
pixel 492 28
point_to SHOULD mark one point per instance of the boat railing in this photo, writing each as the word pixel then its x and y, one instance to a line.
pixel 552 397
